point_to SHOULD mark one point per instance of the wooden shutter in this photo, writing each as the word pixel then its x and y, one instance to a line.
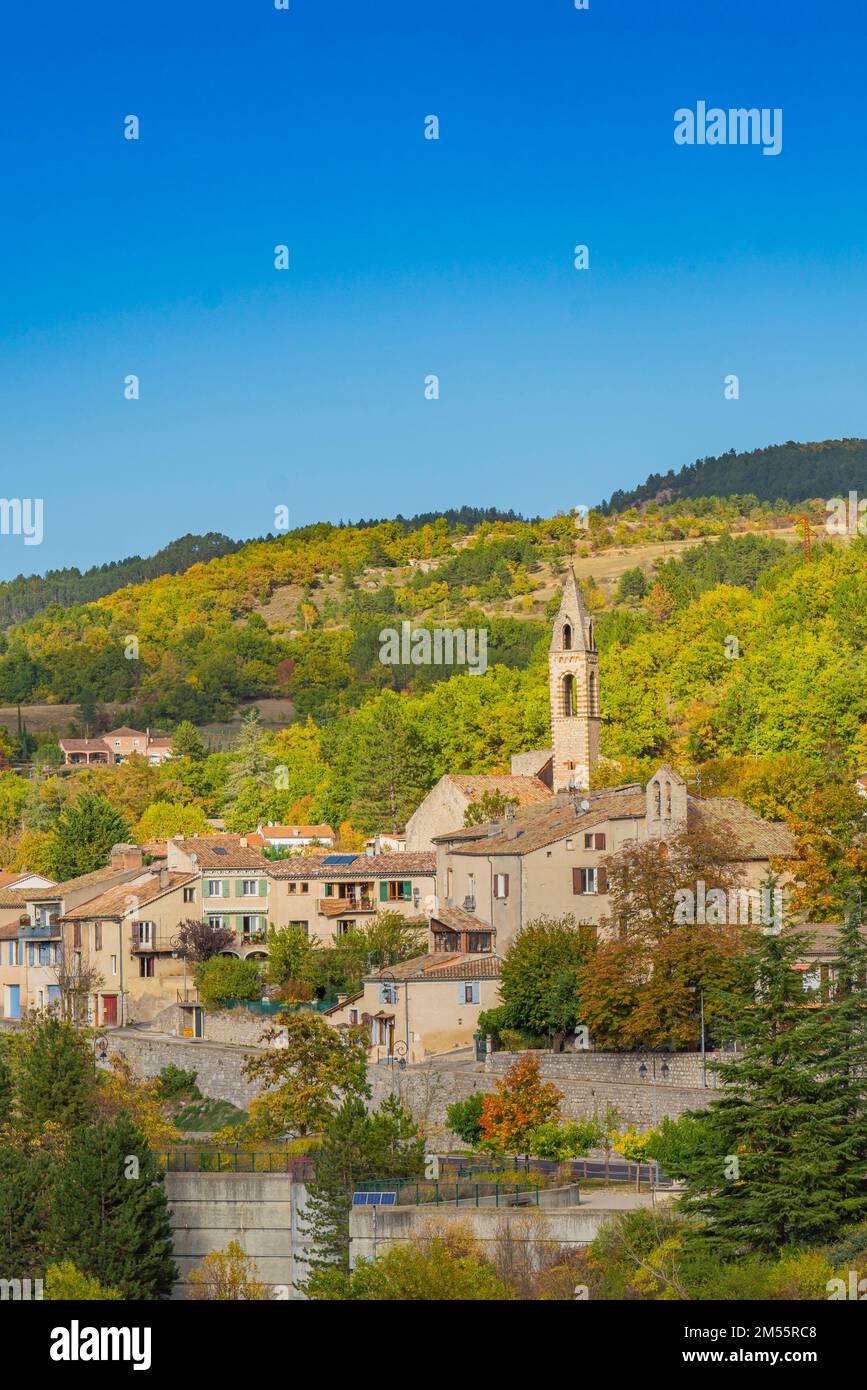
pixel 598 841
pixel 577 886
pixel 263 888
pixel 239 888
pixel 505 885
pixel 601 881
pixel 383 891
pixel 226 888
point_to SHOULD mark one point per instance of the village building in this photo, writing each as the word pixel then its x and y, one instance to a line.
pixel 327 896
pixel 33 962
pixel 115 747
pixel 232 887
pixel 127 938
pixel 421 1007
pixel 290 837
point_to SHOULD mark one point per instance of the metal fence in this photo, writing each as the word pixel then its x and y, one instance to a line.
pixel 228 1161
pixel 413 1192
pixel 270 1007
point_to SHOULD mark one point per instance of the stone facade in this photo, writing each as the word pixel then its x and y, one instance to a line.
pixel 573 668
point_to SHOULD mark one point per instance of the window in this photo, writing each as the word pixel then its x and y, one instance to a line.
pixel 97 936
pixel 353 1017
pixel 589 881
pixel 302 926
pixel 304 888
pixel 567 637
pixel 190 894
pixel 591 693
pixel 114 965
pixel 478 941
pixel 253 926
pixel 471 886
pixel 146 967
pixel 594 841
pixel 657 799
pixel 388 994
pixel 570 844
pixel 448 883
pixel 143 933
pixel 76 936
pixel 569 703
pixel 470 993
pixel 117 743
pixel 249 888
pixel 501 885
pixel 293 887
pixel 215 888
pixel 135 743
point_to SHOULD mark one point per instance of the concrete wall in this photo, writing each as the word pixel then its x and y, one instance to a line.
pixel 568 1226
pixel 260 1211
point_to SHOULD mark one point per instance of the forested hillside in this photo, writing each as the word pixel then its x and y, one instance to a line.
pixel 786 472
pixel 299 616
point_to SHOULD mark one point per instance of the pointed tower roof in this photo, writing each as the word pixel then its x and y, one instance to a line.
pixel 573 613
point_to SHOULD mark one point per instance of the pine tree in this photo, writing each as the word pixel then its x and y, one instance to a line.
pixel 187 742
pixel 250 761
pixel 109 1211
pixel 84 835
pixel 386 759
pixel 24 1211
pixel 54 1078
pixel 778 1163
pixel 357 1147
pixel 6 1091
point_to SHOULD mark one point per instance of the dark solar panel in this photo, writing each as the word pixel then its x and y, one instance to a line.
pixel 340 858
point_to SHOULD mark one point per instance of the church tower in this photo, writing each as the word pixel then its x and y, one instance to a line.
pixel 573 667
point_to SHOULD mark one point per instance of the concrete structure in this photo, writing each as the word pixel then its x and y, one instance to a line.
pixel 422 1007
pixel 260 1211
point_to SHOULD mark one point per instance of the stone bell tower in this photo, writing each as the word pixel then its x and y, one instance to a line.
pixel 573 667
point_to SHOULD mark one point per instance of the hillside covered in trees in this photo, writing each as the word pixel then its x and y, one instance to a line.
pixel 786 472
pixel 298 616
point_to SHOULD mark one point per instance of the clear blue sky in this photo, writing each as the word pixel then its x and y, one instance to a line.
pixel 411 257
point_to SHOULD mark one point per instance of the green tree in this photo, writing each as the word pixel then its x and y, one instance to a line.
pixel 24 1210
pixel 109 1211
pixel 250 759
pixel 387 785
pixel 357 1146
pixel 539 985
pixel 226 978
pixel 54 1079
pixel 187 742
pixel 490 806
pixel 559 1142
pixel 782 1156
pixel 292 959
pixel 465 1118
pixel 306 1077
pixel 448 1268
pixel 84 835
pixel 65 1283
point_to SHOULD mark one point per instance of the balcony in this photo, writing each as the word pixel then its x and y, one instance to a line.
pixel 339 907
pixel 151 943
pixel 41 931
pixel 470 903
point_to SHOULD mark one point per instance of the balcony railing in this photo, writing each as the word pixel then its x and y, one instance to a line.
pixel 41 931
pixel 156 943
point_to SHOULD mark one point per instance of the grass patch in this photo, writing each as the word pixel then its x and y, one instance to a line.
pixel 209 1115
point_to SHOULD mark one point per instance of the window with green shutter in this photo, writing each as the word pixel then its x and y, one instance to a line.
pixel 383 891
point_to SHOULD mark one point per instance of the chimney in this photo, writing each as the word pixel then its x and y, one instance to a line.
pixel 126 857
pixel 164 878
pixel 342 998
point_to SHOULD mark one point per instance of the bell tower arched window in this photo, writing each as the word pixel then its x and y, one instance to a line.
pixel 567 637
pixel 657 799
pixel 568 696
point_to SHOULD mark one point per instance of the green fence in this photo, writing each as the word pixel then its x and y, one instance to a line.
pixel 272 1006
pixel 413 1192
pixel 227 1161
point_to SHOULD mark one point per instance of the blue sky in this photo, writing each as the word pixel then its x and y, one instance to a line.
pixel 305 388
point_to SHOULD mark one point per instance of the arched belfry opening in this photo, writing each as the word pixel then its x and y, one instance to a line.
pixel 569 703
pixel 567 637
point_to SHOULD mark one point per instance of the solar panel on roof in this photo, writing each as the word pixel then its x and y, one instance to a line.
pixel 340 858
pixel 374 1199
pixel 219 849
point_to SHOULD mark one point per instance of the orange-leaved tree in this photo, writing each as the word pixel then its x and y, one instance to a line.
pixel 523 1102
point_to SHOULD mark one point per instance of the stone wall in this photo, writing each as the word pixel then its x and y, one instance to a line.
pixel 684 1068
pixel 217 1065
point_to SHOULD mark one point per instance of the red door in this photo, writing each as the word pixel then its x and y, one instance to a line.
pixel 109 1010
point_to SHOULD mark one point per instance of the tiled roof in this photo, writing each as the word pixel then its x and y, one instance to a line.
pixel 534 827
pixel 83 745
pixel 291 832
pixel 92 880
pixel 455 919
pixel 365 866
pixel 116 901
pixel 749 835
pixel 821 937
pixel 13 897
pixel 444 965
pixel 524 790
pixel 222 852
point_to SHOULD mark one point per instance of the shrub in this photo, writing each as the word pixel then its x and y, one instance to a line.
pixel 227 978
pixel 174 1082
pixel 465 1118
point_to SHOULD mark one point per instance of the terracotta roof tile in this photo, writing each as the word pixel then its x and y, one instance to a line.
pixel 444 965
pixel 116 901
pixel 409 864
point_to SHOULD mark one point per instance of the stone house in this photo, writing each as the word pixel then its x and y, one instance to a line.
pixel 329 895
